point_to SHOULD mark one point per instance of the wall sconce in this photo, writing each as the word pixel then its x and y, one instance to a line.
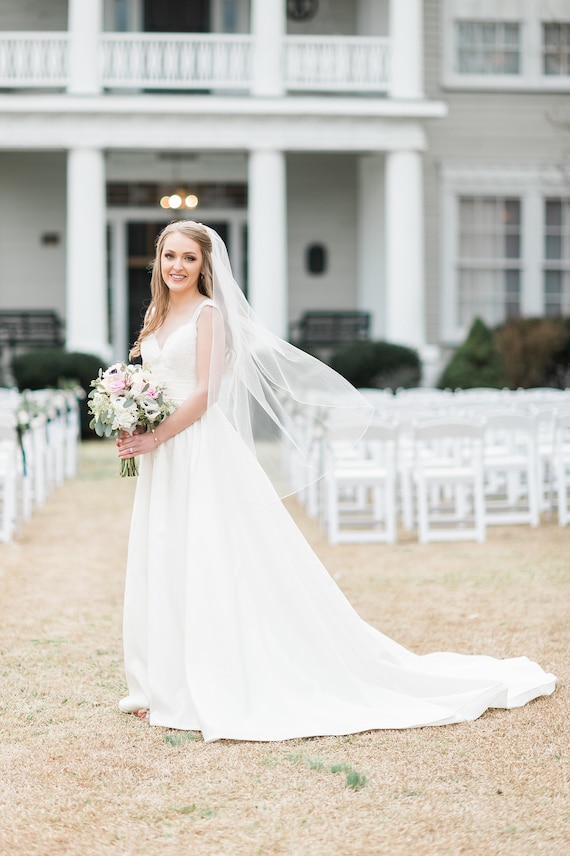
pixel 316 258
pixel 50 239
pixel 302 10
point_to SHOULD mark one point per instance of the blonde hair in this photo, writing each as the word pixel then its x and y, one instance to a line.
pixel 160 295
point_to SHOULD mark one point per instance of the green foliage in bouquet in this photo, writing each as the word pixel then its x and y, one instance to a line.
pixel 476 363
pixel 42 368
pixel 378 364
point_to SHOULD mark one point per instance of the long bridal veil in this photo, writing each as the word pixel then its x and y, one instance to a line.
pixel 278 398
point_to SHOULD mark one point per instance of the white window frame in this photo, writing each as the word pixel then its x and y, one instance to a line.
pixel 532 184
pixel 530 19
pixel 562 264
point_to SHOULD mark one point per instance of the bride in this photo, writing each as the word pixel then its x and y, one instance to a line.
pixel 232 626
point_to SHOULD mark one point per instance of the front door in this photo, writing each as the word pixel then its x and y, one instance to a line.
pixel 176 16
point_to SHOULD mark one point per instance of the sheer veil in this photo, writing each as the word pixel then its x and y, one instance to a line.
pixel 278 398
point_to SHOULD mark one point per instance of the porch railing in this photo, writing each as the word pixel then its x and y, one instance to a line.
pixel 33 60
pixel 198 62
pixel 191 61
pixel 337 63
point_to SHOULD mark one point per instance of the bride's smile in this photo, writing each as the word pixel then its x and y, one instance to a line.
pixel 180 264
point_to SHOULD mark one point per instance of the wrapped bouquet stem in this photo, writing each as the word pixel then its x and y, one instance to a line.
pixel 124 398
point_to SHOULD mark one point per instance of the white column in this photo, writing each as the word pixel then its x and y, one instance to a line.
pixel 84 27
pixel 119 289
pixel 405 302
pixel 86 312
pixel 268 31
pixel 267 241
pixel 371 244
pixel 406 36
pixel 532 280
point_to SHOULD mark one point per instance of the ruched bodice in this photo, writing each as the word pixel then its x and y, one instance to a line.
pixel 174 365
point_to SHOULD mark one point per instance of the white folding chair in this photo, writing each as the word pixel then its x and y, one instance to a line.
pixel 511 468
pixel 359 486
pixel 561 466
pixel 8 452
pixel 448 477
pixel 545 417
pixel 72 435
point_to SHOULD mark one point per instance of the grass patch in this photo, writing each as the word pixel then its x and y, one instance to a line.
pixel 182 737
pixel 353 779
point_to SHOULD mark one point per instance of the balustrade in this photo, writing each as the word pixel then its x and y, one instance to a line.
pixel 33 60
pixel 337 63
pixel 191 61
pixel 198 62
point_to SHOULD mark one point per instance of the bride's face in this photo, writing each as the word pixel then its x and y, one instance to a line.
pixel 181 263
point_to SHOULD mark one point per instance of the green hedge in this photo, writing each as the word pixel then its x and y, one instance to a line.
pixel 42 368
pixel 522 352
pixel 380 364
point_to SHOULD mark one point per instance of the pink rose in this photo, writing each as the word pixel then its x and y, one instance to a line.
pixel 117 384
pixel 151 392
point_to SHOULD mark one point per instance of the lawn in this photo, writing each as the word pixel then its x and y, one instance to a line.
pixel 78 777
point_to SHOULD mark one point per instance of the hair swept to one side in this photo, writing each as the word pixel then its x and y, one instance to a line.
pixel 160 296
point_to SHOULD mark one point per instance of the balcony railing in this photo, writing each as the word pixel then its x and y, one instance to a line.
pixel 193 61
pixel 33 60
pixel 337 63
pixel 198 62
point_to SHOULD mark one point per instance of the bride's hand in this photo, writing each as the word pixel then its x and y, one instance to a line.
pixel 139 443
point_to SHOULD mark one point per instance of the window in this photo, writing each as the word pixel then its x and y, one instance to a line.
pixel 506 45
pixel 488 47
pixel 556 49
pixel 489 259
pixel 557 257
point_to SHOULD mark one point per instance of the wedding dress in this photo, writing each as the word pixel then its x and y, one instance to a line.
pixel 233 627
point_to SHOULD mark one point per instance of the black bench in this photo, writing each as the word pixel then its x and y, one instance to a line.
pixel 30 328
pixel 330 329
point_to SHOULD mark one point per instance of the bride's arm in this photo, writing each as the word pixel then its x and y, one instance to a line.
pixel 210 348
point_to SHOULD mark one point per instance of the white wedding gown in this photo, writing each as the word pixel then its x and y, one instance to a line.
pixel 233 627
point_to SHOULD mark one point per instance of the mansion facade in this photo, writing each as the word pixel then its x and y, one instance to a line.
pixel 406 158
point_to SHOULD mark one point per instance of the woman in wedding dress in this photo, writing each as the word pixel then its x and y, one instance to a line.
pixel 232 626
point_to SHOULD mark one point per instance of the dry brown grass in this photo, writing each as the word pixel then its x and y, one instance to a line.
pixel 79 777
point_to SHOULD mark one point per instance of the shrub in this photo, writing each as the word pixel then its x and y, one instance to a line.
pixel 41 368
pixel 475 363
pixel 378 364
pixel 535 352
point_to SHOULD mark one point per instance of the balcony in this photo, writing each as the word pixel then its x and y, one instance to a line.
pixel 198 62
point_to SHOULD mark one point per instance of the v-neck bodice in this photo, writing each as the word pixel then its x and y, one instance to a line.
pixel 173 365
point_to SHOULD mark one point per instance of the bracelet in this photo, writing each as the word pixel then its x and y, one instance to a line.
pixel 154 436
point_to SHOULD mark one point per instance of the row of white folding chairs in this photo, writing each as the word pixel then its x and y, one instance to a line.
pixel 39 438
pixel 483 470
pixel 544 404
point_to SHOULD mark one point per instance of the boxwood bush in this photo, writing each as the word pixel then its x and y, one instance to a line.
pixel 476 363
pixel 42 368
pixel 378 364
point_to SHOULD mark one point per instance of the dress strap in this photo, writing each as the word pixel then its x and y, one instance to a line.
pixel 206 302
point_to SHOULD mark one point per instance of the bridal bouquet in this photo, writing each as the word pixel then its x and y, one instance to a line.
pixel 124 398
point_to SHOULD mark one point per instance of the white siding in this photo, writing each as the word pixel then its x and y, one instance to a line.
pixel 35 15
pixel 32 203
pixel 484 128
pixel 334 17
